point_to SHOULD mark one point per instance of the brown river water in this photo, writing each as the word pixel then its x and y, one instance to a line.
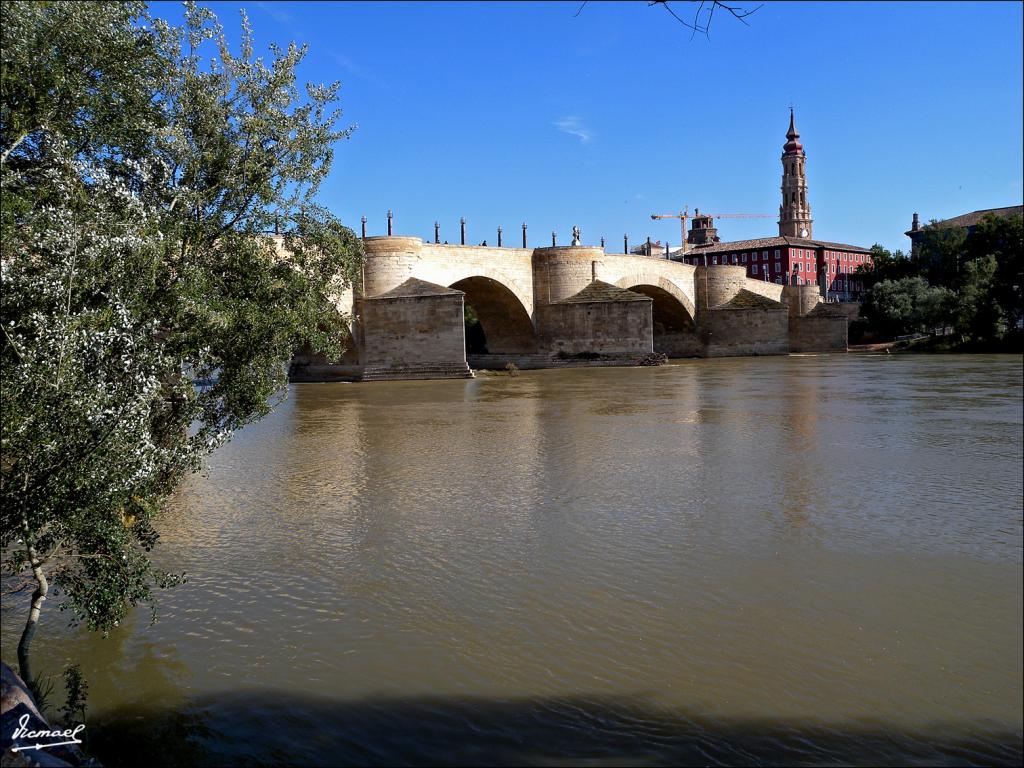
pixel 812 560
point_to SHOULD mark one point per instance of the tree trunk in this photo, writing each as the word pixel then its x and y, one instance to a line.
pixel 38 597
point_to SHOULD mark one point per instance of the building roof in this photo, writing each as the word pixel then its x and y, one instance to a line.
pixel 827 310
pixel 972 218
pixel 600 291
pixel 415 287
pixel 772 242
pixel 749 300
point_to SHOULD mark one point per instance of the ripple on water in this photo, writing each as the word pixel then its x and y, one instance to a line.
pixel 755 560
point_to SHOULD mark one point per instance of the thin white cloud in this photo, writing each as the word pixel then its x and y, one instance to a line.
pixel 355 69
pixel 574 127
pixel 275 12
pixel 344 62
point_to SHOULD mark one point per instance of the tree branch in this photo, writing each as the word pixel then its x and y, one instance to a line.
pixel 736 11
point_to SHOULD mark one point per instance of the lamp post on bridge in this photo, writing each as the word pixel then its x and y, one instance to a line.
pixel 462 230
pixel 524 234
pixel 552 238
pixel 437 233
pixel 499 237
pixel 364 227
pixel 390 215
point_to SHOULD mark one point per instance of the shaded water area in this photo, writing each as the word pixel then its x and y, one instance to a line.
pixel 811 560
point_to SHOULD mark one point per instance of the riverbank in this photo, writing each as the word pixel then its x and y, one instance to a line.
pixel 1013 344
pixel 20 725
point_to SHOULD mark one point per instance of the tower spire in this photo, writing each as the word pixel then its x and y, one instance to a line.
pixel 793 135
pixel 795 212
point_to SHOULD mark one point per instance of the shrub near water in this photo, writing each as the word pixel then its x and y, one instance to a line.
pixel 145 313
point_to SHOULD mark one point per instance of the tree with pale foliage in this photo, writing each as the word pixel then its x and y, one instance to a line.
pixel 146 313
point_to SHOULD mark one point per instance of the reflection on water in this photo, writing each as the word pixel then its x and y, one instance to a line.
pixel 808 559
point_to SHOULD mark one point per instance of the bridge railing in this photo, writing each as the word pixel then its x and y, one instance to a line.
pixel 648 249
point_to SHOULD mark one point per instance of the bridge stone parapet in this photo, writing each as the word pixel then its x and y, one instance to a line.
pixel 719 284
pixel 673 277
pixel 801 299
pixel 562 271
pixel 390 261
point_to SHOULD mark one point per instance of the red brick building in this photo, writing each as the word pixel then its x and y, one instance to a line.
pixel 792 260
pixel 793 257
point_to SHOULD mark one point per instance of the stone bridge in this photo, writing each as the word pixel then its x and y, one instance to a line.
pixel 541 307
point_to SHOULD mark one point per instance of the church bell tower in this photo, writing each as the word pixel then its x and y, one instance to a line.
pixel 795 212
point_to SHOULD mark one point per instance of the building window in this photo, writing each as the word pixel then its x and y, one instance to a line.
pixel 754 269
pixel 714 259
pixel 764 255
pixel 744 258
pixel 776 253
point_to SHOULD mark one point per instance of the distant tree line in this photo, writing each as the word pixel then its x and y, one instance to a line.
pixel 969 287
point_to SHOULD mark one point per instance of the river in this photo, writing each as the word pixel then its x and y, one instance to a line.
pixel 758 560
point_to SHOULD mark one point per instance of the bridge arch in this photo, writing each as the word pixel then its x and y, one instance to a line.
pixel 675 331
pixel 666 287
pixel 505 324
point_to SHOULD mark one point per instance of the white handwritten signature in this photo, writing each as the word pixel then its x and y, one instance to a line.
pixel 22 732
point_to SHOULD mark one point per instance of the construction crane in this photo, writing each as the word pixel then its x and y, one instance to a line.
pixel 684 214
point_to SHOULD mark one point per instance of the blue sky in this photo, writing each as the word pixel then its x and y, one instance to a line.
pixel 512 112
